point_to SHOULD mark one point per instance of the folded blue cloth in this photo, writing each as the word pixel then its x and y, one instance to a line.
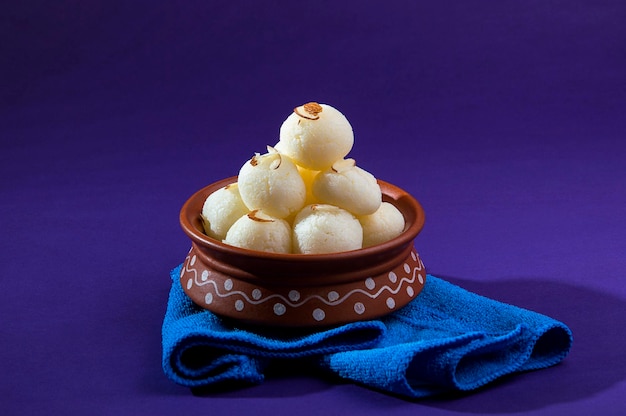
pixel 200 349
pixel 451 339
pixel 446 339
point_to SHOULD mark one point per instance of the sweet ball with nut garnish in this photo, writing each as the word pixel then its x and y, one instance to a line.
pixel 349 187
pixel 271 182
pixel 259 231
pixel 315 136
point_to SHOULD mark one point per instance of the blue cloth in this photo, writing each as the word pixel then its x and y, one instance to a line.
pixel 446 339
pixel 200 349
pixel 452 339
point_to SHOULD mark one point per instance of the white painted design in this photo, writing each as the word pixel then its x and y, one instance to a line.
pixel 407 268
pixel 319 314
pixel 186 268
pixel 307 299
pixel 359 308
pixel 420 265
pixel 279 309
pixel 239 305
pixel 293 298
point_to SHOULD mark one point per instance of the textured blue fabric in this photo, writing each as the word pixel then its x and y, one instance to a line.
pixel 446 339
pixel 451 339
pixel 201 349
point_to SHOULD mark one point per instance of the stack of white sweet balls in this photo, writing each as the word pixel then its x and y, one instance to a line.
pixel 303 196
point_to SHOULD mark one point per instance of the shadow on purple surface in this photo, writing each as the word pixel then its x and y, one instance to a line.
pixel 596 362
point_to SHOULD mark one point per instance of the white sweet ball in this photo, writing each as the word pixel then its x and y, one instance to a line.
pixel 316 135
pixel 349 187
pixel 383 225
pixel 221 209
pixel 322 228
pixel 259 231
pixel 271 182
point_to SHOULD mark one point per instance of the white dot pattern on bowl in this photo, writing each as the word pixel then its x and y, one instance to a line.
pixel 359 308
pixel 319 314
pixel 295 299
pixel 279 309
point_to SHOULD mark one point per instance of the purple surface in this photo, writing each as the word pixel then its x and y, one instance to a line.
pixel 505 119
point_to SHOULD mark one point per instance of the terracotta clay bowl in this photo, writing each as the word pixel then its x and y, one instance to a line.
pixel 302 290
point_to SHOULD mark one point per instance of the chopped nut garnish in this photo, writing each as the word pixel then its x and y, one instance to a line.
pixel 309 111
pixel 313 108
pixel 342 165
pixel 253 217
pixel 276 162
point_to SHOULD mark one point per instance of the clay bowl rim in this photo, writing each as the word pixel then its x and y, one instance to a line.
pixel 390 193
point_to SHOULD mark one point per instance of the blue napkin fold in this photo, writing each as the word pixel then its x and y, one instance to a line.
pixel 446 339
pixel 201 349
pixel 452 339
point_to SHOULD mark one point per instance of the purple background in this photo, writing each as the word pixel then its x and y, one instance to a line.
pixel 506 119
